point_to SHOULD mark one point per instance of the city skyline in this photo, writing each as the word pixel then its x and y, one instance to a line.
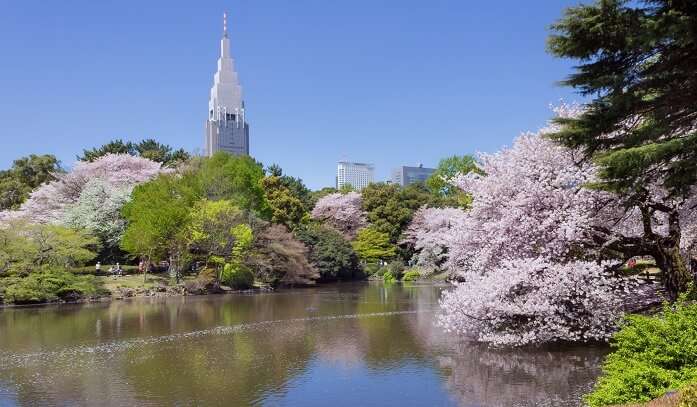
pixel 413 85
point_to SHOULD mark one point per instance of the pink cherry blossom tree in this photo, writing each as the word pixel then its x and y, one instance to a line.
pixel 530 247
pixel 51 201
pixel 344 212
pixel 428 234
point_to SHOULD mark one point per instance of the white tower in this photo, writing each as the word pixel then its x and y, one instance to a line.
pixel 226 126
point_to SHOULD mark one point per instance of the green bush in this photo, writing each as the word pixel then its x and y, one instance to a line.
pixel 396 267
pixel 371 268
pixel 389 277
pixel 48 285
pixel 330 253
pixel 411 275
pixel 237 277
pixel 651 355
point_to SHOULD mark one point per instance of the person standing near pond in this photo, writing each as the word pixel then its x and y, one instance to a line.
pixel 98 267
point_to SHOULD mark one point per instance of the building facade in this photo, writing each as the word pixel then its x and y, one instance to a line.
pixel 226 127
pixel 357 175
pixel 409 175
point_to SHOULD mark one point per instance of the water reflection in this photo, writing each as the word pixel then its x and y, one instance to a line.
pixel 348 344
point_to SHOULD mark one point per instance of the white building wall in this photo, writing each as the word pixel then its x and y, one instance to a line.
pixel 358 175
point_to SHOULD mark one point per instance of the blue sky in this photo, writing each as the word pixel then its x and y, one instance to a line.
pixel 396 82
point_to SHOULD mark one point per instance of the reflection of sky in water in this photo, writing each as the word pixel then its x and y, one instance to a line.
pixel 337 345
pixel 336 384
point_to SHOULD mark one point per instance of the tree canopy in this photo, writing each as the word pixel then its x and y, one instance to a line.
pixel 26 174
pixel 638 62
pixel 372 245
pixel 149 148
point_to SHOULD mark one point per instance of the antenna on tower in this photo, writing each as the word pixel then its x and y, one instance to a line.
pixel 225 24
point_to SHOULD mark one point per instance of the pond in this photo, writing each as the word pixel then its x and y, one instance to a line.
pixel 352 344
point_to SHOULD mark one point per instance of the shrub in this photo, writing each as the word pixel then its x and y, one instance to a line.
pixel 652 354
pixel 49 285
pixel 330 253
pixel 371 268
pixel 411 275
pixel 389 277
pixel 396 267
pixel 237 277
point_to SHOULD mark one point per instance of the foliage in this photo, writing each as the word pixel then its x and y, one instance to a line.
pixel 390 208
pixel 411 275
pixel 636 60
pixel 46 285
pixel 534 301
pixel 532 218
pixel 343 212
pixel 277 257
pixel 295 186
pixel 386 211
pixel 98 210
pixel 236 273
pixel 235 178
pixel 448 168
pixel 330 253
pixel 371 268
pixel 51 201
pixel 651 355
pixel 149 149
pixel 157 214
pixel 372 245
pixel 210 226
pixel 428 233
pixel 317 195
pixel 239 277
pixel 25 247
pixel 389 277
pixel 396 268
pixel 26 174
pixel 286 208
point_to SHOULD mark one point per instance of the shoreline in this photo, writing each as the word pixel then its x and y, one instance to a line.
pixel 180 291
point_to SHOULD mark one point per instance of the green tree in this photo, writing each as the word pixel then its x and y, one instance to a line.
pixel 234 178
pixel 286 208
pixel 149 148
pixel 346 188
pixel 330 253
pixel 26 174
pixel 390 208
pixel 209 229
pixel 447 169
pixel 637 62
pixel 295 185
pixel 157 214
pixel 372 245
pixel 236 273
pixel 25 247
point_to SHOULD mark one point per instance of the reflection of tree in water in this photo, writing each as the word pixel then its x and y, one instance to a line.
pixel 105 362
pixel 523 377
pixel 479 376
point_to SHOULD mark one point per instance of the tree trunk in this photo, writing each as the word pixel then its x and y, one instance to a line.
pixel 676 276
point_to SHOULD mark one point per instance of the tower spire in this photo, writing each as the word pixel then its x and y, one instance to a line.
pixel 225 24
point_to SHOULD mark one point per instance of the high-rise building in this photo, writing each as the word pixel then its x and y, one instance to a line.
pixel 358 175
pixel 409 175
pixel 226 126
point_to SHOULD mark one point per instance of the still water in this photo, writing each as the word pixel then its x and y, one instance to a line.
pixel 358 344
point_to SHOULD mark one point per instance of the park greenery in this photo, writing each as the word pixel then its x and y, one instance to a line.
pixel 537 238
